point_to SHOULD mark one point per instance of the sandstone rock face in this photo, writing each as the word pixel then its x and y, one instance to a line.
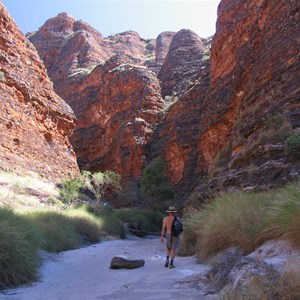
pixel 71 49
pixel 181 63
pixel 35 121
pixel 255 73
pixel 163 43
pixel 115 97
pixel 118 262
pixel 229 131
pixel 176 138
pixel 237 104
pixel 117 124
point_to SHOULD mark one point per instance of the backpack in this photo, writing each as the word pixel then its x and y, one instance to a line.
pixel 177 227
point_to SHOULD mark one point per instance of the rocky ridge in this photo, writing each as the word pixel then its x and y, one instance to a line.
pixel 112 86
pixel 35 121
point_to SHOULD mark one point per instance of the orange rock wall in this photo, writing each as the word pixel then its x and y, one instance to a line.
pixel 35 122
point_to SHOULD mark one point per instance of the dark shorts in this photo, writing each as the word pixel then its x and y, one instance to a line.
pixel 172 241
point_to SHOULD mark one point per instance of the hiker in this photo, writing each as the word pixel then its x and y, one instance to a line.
pixel 172 241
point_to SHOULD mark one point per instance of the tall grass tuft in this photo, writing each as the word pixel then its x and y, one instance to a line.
pixel 231 220
pixel 86 224
pixel 20 241
pixel 283 217
pixel 284 287
pixel 189 244
pixel 58 230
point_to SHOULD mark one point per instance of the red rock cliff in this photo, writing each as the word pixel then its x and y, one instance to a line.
pixel 35 122
pixel 252 105
pixel 235 111
pixel 113 131
pixel 115 97
pixel 181 63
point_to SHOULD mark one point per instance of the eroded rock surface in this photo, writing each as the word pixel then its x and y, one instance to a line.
pixel 35 122
pixel 236 104
pixel 181 63
pixel 118 262
pixel 117 123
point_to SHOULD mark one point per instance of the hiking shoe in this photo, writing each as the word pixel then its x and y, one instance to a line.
pixel 166 264
pixel 171 266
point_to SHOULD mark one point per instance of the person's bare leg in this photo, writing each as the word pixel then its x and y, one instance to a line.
pixel 172 253
pixel 168 252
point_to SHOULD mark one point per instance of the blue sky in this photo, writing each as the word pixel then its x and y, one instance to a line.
pixel 148 18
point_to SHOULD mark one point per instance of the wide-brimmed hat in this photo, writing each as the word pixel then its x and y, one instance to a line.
pixel 171 209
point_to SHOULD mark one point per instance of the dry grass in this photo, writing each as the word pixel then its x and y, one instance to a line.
pixel 284 287
pixel 283 217
pixel 24 191
pixel 231 220
pixel 244 220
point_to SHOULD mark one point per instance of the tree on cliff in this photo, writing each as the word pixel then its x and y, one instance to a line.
pixel 155 186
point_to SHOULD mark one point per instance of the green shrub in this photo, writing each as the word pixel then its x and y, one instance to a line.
pixel 59 230
pixel 20 241
pixel 155 184
pixel 146 220
pixel 292 144
pixel 69 190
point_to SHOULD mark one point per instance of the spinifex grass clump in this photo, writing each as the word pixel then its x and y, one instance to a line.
pixel 86 224
pixel 58 230
pixel 20 241
pixel 244 220
pixel 284 287
pixel 230 220
pixel 283 218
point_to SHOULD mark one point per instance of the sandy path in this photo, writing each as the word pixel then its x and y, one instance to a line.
pixel 84 274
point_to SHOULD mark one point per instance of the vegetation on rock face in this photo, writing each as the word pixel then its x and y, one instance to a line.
pixel 155 186
pixel 292 145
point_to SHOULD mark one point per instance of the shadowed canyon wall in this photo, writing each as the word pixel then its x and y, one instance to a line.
pixel 239 120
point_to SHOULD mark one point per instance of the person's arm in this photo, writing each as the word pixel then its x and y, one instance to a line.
pixel 163 228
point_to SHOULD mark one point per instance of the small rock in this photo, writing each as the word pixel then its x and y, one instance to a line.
pixel 123 263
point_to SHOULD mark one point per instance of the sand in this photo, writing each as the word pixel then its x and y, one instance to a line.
pixel 84 274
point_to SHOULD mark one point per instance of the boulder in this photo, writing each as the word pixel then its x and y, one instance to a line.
pixel 118 262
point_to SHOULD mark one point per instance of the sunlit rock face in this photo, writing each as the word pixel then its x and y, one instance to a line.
pixel 255 76
pixel 117 125
pixel 235 105
pixel 111 85
pixel 35 122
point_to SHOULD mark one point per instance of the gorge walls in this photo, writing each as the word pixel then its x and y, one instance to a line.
pixel 219 111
